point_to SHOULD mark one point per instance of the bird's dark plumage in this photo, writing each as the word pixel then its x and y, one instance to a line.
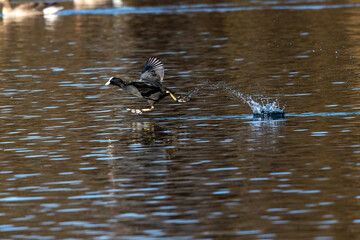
pixel 148 86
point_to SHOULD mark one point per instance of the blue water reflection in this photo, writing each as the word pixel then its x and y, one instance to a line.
pixel 198 8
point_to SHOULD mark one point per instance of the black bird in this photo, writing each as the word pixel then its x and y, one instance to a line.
pixel 148 86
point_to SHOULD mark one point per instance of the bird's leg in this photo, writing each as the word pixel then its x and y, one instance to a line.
pixel 175 98
pixel 172 95
pixel 140 111
pixel 148 109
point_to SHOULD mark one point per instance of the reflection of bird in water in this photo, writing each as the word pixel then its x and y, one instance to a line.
pixel 139 144
pixel 28 9
pixel 148 86
pixel 148 133
pixel 146 137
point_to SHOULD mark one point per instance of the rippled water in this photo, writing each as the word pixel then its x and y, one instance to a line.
pixel 76 165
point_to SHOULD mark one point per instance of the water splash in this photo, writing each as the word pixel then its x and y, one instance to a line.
pixel 192 93
pixel 263 109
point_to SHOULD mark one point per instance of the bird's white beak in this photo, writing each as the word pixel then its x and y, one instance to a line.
pixel 109 82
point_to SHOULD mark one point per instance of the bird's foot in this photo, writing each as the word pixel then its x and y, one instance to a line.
pixel 136 111
pixel 183 99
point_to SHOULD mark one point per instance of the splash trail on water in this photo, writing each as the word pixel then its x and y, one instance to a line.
pixel 263 110
pixel 192 93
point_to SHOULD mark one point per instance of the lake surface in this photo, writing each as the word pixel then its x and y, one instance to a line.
pixel 76 165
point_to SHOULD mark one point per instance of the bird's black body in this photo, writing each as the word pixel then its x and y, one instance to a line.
pixel 148 86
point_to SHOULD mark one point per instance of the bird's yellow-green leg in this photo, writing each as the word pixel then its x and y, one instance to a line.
pixel 148 109
pixel 140 111
pixel 172 95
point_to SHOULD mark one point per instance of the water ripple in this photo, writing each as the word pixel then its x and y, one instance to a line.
pixel 202 8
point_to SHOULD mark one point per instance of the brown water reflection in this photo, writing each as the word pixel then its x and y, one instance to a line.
pixel 75 164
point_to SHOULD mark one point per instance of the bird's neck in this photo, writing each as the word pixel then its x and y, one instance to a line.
pixel 121 83
pixel 7 5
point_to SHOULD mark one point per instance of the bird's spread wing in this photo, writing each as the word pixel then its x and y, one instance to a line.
pixel 153 71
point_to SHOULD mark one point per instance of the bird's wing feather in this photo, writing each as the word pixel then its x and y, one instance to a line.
pixel 147 82
pixel 146 90
pixel 153 70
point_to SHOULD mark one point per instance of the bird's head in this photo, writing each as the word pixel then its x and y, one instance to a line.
pixel 115 81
